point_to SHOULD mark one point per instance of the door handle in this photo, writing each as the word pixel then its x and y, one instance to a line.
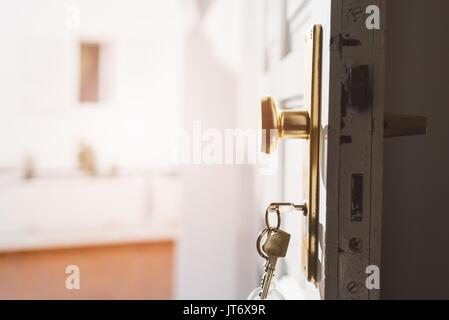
pixel 302 124
pixel 399 125
pixel 282 124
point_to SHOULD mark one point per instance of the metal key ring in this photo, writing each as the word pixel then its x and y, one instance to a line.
pixel 259 240
pixel 278 215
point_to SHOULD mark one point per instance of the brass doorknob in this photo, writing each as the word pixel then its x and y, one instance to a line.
pixel 277 124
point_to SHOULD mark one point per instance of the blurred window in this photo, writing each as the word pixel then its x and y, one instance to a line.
pixel 89 72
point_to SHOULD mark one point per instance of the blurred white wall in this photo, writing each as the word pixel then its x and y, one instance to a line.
pixel 139 77
pixel 162 69
pixel 216 247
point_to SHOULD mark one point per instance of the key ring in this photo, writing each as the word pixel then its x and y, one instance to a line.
pixel 274 207
pixel 263 233
pixel 278 218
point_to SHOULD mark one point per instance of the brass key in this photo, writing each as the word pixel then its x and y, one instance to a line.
pixel 274 247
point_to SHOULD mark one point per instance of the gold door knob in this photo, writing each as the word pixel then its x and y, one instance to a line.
pixel 287 124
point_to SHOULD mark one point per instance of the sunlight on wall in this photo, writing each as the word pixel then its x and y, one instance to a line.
pixel 140 81
pixel 98 171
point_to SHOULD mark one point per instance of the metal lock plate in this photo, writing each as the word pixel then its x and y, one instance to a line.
pixel 312 95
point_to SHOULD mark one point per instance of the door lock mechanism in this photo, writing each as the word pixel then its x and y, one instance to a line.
pixel 306 124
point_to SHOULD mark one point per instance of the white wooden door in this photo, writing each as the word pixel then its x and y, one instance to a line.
pixel 350 165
